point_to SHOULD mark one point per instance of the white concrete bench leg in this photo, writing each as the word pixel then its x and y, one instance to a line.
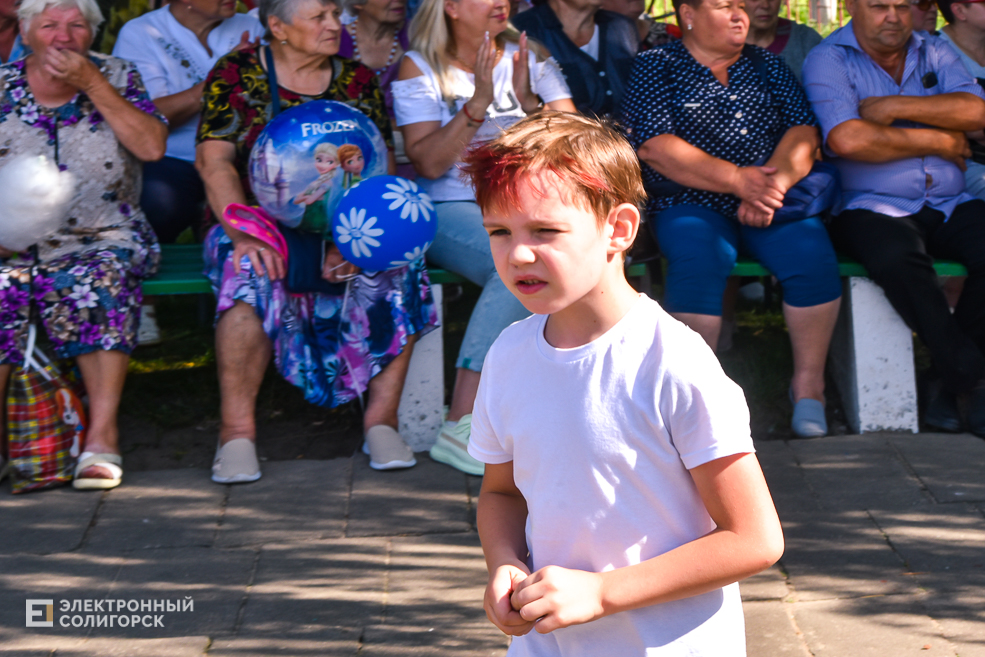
pixel 871 358
pixel 424 390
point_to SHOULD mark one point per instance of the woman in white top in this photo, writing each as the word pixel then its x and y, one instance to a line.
pixel 174 49
pixel 468 76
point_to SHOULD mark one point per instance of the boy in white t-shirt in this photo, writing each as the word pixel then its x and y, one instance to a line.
pixel 622 500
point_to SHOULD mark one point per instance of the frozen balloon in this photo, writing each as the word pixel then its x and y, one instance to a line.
pixel 308 156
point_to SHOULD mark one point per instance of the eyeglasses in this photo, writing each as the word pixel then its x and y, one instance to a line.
pixel 925 5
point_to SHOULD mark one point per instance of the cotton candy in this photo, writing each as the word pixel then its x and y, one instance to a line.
pixel 34 199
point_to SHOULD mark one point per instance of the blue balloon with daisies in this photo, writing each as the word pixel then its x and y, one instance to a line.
pixel 383 223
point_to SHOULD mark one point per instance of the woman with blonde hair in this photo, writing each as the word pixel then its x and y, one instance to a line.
pixel 468 76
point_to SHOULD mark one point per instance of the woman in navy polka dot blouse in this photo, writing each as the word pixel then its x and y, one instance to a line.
pixel 723 131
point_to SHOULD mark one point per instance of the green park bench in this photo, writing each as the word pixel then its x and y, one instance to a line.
pixel 424 392
pixel 871 356
pixel 181 271
pixel 182 264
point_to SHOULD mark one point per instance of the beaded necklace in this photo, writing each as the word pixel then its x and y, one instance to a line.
pixel 355 46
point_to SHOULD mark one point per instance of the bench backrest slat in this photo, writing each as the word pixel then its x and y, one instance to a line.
pixel 182 264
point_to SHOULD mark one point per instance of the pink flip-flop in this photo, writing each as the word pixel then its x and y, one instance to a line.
pixel 258 223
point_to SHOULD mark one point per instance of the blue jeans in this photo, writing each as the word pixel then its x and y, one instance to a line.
pixel 702 245
pixel 462 246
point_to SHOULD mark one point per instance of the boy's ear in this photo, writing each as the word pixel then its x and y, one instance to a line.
pixel 623 222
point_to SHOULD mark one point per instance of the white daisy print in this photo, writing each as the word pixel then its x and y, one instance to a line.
pixel 359 231
pixel 411 256
pixel 415 202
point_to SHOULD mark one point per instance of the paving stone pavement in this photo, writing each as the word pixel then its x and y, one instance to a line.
pixel 885 557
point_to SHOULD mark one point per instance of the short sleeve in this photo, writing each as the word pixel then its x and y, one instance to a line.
pixel 220 119
pixel 829 89
pixel 135 92
pixel 418 99
pixel 794 107
pixel 135 46
pixel 484 445
pixel 952 76
pixel 705 411
pixel 646 106
pixel 546 80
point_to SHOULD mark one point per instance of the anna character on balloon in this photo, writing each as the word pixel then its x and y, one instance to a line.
pixel 351 157
pixel 316 196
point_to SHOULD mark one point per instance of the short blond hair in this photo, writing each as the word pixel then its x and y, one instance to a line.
pixel 589 156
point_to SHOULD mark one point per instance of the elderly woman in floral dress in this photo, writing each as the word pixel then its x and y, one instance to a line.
pixel 90 114
pixel 334 345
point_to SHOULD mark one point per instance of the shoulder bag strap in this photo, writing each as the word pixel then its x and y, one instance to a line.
pixel 272 79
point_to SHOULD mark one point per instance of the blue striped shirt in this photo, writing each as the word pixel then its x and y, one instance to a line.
pixel 838 75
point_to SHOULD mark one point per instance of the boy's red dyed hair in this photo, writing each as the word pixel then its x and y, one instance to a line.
pixel 590 157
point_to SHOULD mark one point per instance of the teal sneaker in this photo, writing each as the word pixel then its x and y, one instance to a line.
pixel 452 445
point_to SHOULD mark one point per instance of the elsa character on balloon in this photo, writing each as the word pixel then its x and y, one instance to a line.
pixel 315 198
pixel 352 163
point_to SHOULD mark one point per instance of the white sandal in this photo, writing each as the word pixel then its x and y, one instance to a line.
pixel 110 462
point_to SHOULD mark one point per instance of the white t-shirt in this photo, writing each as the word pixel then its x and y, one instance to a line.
pixel 602 437
pixel 419 99
pixel 170 59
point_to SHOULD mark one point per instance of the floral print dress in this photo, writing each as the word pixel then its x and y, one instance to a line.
pixel 329 345
pixel 86 287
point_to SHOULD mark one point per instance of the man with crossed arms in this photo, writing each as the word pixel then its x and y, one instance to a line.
pixel 894 106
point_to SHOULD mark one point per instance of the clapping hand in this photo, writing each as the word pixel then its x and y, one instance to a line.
pixel 485 62
pixel 521 77
pixel 244 41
